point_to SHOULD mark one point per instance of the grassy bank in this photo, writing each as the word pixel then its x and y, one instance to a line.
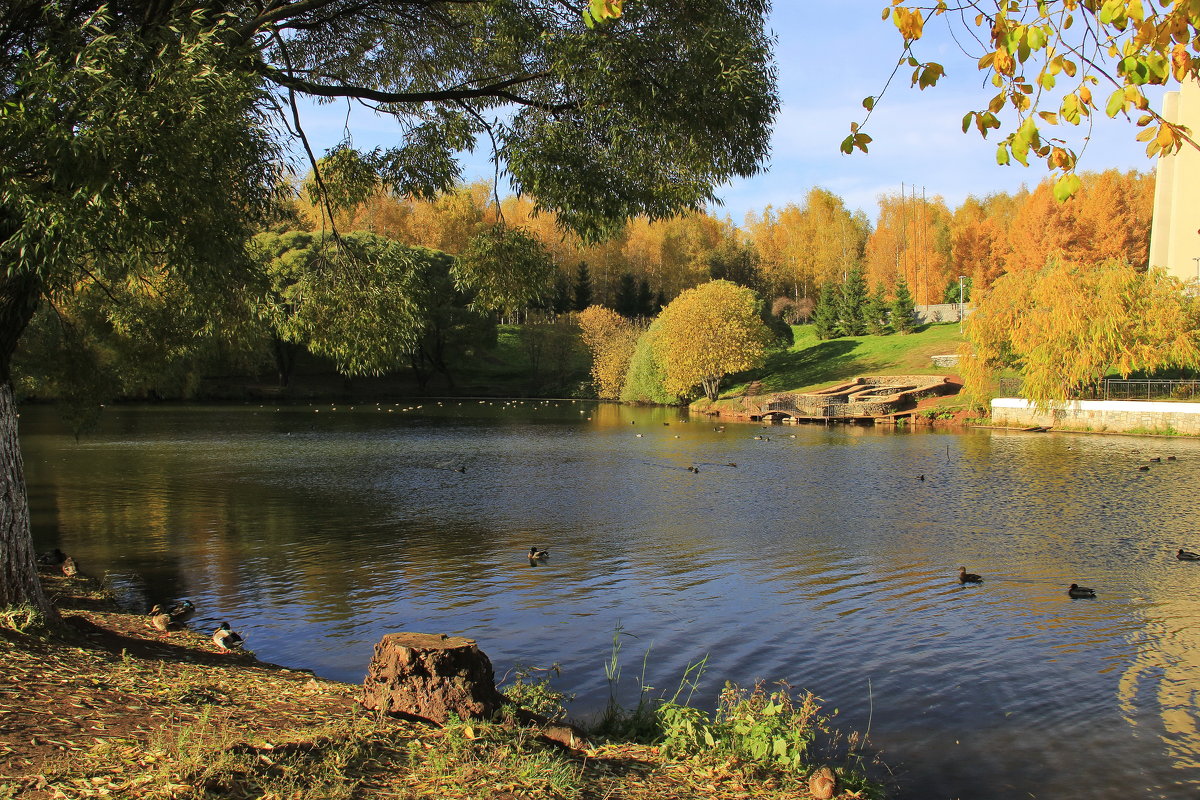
pixel 812 363
pixel 104 706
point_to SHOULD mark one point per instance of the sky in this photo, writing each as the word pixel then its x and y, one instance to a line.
pixel 830 56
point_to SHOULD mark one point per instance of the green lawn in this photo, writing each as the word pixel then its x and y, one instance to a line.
pixel 812 363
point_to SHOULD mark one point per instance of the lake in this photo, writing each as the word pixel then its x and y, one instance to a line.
pixel 821 559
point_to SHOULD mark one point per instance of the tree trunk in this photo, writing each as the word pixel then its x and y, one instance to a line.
pixel 19 582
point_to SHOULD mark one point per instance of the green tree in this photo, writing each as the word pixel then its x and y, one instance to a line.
pixel 707 333
pixel 583 287
pixel 562 300
pixel 875 312
pixel 825 312
pixel 134 136
pixel 1067 326
pixel 507 268
pixel 851 304
pixel 645 379
pixel 903 309
pixel 626 301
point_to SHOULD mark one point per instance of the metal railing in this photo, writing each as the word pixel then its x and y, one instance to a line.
pixel 1122 389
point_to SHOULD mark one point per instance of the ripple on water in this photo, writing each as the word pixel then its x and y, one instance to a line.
pixel 820 560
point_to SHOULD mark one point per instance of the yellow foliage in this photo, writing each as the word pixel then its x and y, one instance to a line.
pixel 612 339
pixel 707 333
pixel 1069 325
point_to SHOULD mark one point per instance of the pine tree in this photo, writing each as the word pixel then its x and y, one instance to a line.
pixel 851 302
pixel 903 310
pixel 645 299
pixel 876 312
pixel 583 287
pixel 626 302
pixel 825 314
pixel 563 301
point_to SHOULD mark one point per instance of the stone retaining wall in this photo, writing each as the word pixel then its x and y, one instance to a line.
pixel 1116 416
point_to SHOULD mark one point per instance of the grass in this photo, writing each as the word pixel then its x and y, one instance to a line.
pixel 103 706
pixel 812 363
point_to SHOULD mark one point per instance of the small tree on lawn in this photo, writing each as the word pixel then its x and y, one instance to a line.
pixel 825 314
pixel 903 309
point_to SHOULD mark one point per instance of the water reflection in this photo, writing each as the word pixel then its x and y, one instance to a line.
pixel 821 559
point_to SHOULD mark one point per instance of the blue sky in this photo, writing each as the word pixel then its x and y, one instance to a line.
pixel 831 56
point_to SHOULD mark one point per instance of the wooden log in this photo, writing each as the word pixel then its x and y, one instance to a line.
pixel 430 676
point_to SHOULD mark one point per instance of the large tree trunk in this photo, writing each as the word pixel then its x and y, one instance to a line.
pixel 18 566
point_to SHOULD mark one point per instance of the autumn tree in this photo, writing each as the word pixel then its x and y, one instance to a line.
pixel 1045 60
pixel 611 339
pixel 707 333
pixel 1066 326
pixel 149 136
pixel 911 239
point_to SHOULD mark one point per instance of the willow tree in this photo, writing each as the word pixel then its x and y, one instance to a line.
pixel 149 136
pixel 707 333
pixel 1067 326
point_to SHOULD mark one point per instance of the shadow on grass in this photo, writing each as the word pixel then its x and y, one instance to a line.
pixel 828 361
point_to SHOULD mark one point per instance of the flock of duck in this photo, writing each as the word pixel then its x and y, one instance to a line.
pixel 1074 590
pixel 176 617
pixel 160 619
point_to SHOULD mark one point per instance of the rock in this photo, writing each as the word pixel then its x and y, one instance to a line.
pixel 822 784
pixel 430 676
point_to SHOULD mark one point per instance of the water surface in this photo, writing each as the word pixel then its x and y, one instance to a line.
pixel 821 559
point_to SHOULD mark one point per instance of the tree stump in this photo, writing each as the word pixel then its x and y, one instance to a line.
pixel 430 676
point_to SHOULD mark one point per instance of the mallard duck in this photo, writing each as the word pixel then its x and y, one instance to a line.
pixel 226 639
pixel 69 568
pixel 52 557
pixel 968 577
pixel 538 555
pixel 1187 555
pixel 1080 591
pixel 159 619
pixel 182 611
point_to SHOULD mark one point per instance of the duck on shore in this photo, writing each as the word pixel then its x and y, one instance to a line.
pixel 159 619
pixel 226 638
pixel 182 611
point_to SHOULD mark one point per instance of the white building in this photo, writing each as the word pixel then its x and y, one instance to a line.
pixel 1174 235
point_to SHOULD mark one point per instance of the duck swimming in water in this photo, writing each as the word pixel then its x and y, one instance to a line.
pixel 968 577
pixel 226 639
pixel 1187 555
pixel 1080 591
pixel 538 555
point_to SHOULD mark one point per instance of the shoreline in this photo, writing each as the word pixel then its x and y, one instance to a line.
pixel 105 706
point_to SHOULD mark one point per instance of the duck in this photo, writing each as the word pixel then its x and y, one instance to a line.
pixel 538 555
pixel 1143 468
pixel 1077 591
pixel 52 557
pixel 226 639
pixel 159 619
pixel 968 577
pixel 182 611
pixel 69 568
pixel 1187 555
